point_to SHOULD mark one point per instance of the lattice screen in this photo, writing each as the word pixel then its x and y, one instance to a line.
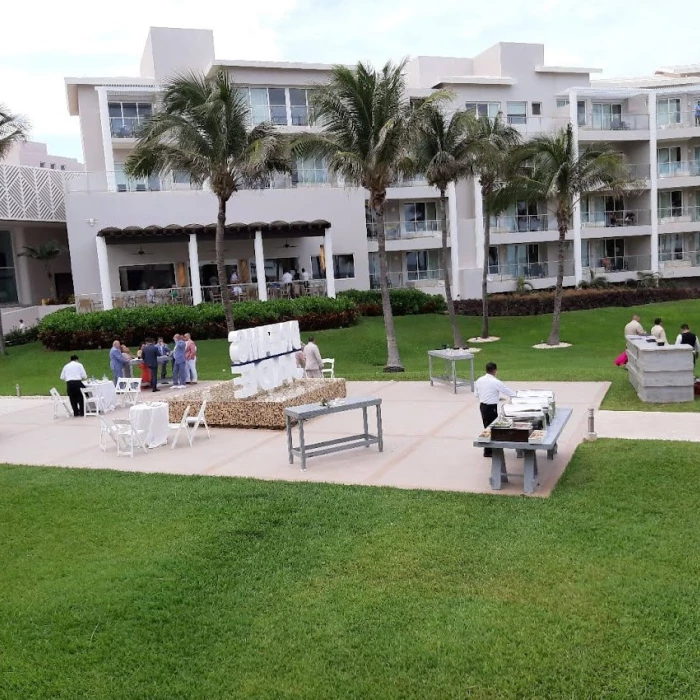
pixel 31 194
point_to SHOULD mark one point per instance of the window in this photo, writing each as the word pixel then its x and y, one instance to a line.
pixel 281 106
pixel 562 103
pixel 309 171
pixel 524 260
pixel 670 204
pixel 423 265
pixel 300 106
pixel 484 109
pixel 63 167
pixel 138 277
pixel 128 184
pixel 581 112
pixel 278 106
pixel 343 267
pixel 536 109
pixel 669 160
pixel 493 260
pixel 53 166
pixel 606 115
pixel 670 247
pixel 125 118
pixel 668 111
pixel 585 254
pixel 517 112
pixel 42 164
pixel 419 217
pixel 8 282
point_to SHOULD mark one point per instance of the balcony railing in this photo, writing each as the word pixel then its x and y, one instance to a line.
pixel 415 181
pixel 623 122
pixel 395 230
pixel 507 272
pixel 669 215
pixel 611 219
pixel 537 125
pixel 618 263
pixel 676 259
pixel 126 127
pixel 676 120
pixel 523 223
pixel 683 168
pixel 638 171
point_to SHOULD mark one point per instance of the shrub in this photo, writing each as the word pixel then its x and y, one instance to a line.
pixel 68 330
pixel 18 337
pixel 542 302
pixel 404 302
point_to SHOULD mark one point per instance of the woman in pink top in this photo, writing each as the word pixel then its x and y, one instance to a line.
pixel 191 358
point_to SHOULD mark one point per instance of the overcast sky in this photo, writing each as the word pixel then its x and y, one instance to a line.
pixel 43 41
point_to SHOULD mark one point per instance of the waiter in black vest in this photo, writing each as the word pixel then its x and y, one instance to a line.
pixel 687 337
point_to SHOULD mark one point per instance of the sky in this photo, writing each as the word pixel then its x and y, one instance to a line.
pixel 44 41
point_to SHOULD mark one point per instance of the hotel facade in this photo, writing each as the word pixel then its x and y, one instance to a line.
pixel 126 235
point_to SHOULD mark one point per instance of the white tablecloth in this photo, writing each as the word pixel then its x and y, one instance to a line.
pixel 106 391
pixel 153 419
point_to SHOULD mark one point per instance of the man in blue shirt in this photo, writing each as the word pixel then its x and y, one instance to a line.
pixel 163 351
pixel 180 366
pixel 116 361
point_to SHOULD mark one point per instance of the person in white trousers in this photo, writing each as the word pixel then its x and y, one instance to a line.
pixel 191 358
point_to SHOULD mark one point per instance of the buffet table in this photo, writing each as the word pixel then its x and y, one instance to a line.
pixel 660 373
pixel 528 450
pixel 451 357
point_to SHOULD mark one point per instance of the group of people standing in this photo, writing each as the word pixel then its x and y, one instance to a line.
pixel 684 337
pixel 154 357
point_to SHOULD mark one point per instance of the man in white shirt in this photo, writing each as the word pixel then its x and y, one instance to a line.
pixel 634 327
pixel 234 276
pixel 73 375
pixel 687 337
pixel 151 295
pixel 658 332
pixel 313 362
pixel 488 390
pixel 305 276
pixel 287 277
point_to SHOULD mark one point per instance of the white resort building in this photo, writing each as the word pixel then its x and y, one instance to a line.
pixel 126 235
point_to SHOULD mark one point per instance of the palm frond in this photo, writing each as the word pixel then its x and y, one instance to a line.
pixel 14 128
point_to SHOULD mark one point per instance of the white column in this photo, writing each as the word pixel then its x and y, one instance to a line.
pixel 106 138
pixel 260 266
pixel 330 279
pixel 103 268
pixel 654 178
pixel 195 282
pixel 23 277
pixel 453 230
pixel 578 263
pixel 478 224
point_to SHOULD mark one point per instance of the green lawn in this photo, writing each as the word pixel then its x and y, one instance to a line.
pixel 118 585
pixel 360 352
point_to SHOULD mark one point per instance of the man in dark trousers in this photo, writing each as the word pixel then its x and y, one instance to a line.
pixel 488 390
pixel 687 337
pixel 73 374
pixel 150 355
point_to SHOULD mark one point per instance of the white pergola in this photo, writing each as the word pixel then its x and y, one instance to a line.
pixel 192 233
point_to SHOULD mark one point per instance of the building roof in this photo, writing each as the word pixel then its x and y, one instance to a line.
pixel 72 85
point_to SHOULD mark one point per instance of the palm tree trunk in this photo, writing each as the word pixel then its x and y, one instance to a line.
pixel 3 349
pixel 559 289
pixel 52 286
pixel 221 264
pixel 457 340
pixel 393 363
pixel 485 274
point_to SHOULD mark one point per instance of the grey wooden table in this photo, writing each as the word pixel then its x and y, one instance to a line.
pixel 451 358
pixel 528 451
pixel 301 414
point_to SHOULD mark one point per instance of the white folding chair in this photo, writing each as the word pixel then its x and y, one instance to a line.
pixel 328 372
pixel 122 389
pixel 92 401
pixel 179 427
pixel 128 437
pixel 108 431
pixel 134 391
pixel 60 404
pixel 194 422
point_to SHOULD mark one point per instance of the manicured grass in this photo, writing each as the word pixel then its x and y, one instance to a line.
pixel 118 585
pixel 360 351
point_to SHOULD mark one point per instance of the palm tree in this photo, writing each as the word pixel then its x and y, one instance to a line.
pixel 493 144
pixel 203 129
pixel 560 175
pixel 443 153
pixel 13 129
pixel 45 253
pixel 367 126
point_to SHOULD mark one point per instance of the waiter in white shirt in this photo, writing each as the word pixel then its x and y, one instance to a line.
pixel 489 390
pixel 73 375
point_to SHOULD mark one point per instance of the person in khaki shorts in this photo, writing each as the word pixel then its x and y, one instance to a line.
pixel 313 362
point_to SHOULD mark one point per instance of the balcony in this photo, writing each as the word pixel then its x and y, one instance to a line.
pixel 683 168
pixel 545 269
pixel 678 215
pixel 616 219
pixel 638 171
pixel 615 122
pixel 126 127
pixel 523 223
pixel 677 120
pixel 678 263
pixel 411 279
pixel 406 230
pixel 618 263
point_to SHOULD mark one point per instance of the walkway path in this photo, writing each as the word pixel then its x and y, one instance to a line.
pixel 648 425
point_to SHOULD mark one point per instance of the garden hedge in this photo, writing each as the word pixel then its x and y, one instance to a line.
pixel 18 337
pixel 404 302
pixel 68 330
pixel 535 303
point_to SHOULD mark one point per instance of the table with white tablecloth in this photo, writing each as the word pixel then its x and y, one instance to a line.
pixel 152 420
pixel 106 392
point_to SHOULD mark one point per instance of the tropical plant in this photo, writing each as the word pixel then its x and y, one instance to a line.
pixel 493 144
pixel 522 286
pixel 367 125
pixel 45 253
pixel 648 279
pixel 443 153
pixel 595 282
pixel 562 176
pixel 13 129
pixel 203 129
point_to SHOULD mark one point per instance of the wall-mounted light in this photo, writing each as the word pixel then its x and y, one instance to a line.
pixel 92 222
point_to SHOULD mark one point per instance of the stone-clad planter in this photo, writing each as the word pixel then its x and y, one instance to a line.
pixel 263 411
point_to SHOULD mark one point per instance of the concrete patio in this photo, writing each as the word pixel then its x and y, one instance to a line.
pixel 428 435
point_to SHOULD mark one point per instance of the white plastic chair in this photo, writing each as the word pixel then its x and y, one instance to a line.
pixel 128 437
pixel 60 404
pixel 92 401
pixel 179 427
pixel 193 422
pixel 128 390
pixel 329 371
